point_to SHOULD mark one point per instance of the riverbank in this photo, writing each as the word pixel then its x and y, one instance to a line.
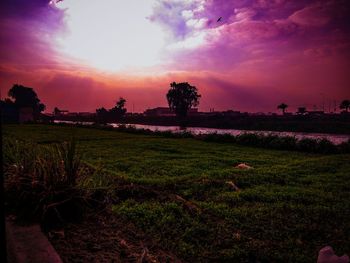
pixel 180 194
pixel 325 123
pixel 305 142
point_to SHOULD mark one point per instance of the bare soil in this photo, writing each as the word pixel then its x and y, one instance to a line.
pixel 103 237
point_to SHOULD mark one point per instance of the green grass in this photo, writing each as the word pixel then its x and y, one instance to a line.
pixel 288 207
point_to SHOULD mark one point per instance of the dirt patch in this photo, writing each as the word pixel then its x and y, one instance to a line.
pixel 104 237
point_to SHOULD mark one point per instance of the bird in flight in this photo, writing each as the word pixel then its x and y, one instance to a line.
pixel 219 19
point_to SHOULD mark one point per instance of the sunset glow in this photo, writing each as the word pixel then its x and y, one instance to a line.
pixel 257 55
pixel 111 35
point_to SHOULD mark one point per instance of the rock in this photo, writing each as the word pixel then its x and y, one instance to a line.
pixel 243 166
pixel 326 255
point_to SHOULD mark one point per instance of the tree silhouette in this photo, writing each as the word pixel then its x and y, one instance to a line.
pixel 345 105
pixel 119 109
pixel 282 107
pixel 103 115
pixel 101 111
pixel 182 97
pixel 26 97
pixel 56 111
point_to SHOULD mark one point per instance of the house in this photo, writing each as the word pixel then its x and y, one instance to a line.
pixel 86 114
pixel 58 112
pixel 159 111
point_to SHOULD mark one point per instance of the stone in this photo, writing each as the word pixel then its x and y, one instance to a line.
pixel 327 255
pixel 243 166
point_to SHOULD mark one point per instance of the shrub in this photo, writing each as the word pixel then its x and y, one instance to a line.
pixel 214 137
pixel 307 145
pixel 325 146
pixel 250 139
pixel 344 147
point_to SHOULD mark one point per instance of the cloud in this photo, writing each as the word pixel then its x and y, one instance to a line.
pixel 172 16
pixel 244 14
pixel 321 13
pixel 27 32
pixel 316 15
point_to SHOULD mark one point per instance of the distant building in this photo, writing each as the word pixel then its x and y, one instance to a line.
pixel 301 111
pixel 58 112
pixel 71 114
pixel 166 112
pixel 316 112
pixel 86 114
pixel 231 113
pixel 257 113
pixel 272 114
pixel 159 111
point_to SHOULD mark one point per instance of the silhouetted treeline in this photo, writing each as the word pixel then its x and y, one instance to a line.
pixel 324 124
pixel 336 123
pixel 114 114
pixel 22 105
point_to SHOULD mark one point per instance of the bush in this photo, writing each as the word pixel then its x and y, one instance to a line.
pixel 344 147
pixel 307 145
pixel 250 139
pixel 325 146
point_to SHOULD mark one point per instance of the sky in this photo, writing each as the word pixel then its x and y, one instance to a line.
pixel 80 55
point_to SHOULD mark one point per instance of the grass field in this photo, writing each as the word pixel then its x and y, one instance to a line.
pixel 288 207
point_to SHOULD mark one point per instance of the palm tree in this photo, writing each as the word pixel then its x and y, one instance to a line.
pixel 345 105
pixel 282 107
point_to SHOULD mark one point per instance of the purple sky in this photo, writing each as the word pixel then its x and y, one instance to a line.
pixel 81 54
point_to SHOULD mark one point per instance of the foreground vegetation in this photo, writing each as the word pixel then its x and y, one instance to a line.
pixel 189 197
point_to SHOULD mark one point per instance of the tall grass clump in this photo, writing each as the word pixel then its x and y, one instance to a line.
pixel 308 145
pixel 41 181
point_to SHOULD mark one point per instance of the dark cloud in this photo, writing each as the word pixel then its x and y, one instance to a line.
pixel 322 13
pixel 27 10
pixel 27 32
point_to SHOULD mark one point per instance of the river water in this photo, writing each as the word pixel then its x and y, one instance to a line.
pixel 334 138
